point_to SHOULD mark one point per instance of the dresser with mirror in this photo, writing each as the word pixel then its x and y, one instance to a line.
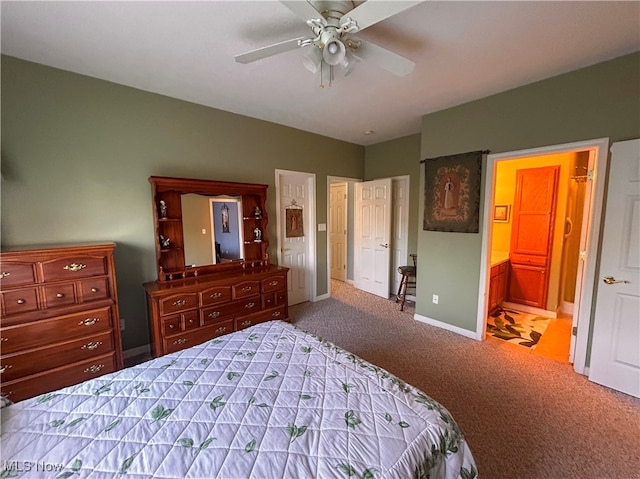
pixel 214 273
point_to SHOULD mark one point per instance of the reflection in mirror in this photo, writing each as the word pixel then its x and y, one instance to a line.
pixel 211 229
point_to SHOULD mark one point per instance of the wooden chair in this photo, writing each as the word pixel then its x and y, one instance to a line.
pixel 408 280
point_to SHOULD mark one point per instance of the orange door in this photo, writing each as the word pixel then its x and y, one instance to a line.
pixel 534 211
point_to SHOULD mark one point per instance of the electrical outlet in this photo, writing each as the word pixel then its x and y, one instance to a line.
pixel 122 324
pixel 435 299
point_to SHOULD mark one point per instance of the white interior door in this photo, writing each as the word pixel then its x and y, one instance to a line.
pixel 295 251
pixel 615 355
pixel 400 229
pixel 338 231
pixel 372 251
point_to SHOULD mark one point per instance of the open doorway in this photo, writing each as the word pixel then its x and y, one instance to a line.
pixel 572 245
pixel 340 226
pixel 399 229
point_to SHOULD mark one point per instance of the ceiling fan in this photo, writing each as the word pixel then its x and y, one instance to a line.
pixel 332 43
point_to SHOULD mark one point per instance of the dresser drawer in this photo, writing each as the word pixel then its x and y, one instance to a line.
pixel 262 316
pixel 190 320
pixel 171 325
pixel 178 302
pixel 61 294
pixel 46 332
pixel 21 300
pixel 215 295
pixel 14 366
pixel 245 289
pixel 274 283
pixel 191 338
pixel 14 274
pixel 94 289
pixel 229 310
pixel 73 267
pixel 271 300
pixel 57 378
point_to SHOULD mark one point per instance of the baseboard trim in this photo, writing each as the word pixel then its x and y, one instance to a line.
pixel 449 327
pixel 130 353
pixel 566 307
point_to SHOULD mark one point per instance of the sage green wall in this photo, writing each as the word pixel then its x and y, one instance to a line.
pixel 598 101
pixel 77 153
pixel 396 158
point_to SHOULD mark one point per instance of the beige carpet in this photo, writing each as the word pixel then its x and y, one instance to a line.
pixel 524 416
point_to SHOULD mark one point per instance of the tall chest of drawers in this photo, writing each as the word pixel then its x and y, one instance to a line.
pixel 59 318
pixel 184 313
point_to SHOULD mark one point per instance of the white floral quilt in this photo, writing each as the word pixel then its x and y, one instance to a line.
pixel 270 401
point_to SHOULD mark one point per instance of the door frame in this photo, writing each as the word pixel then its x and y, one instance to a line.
pixel 586 306
pixel 311 272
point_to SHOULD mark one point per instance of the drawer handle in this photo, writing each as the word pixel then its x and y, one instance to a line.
pixel 60 295
pixel 180 302
pixel 214 314
pixel 221 329
pixel 246 289
pixel 216 295
pixel 180 341
pixel 273 283
pixel 171 326
pixel 94 368
pixel 4 340
pixel 89 322
pixel 275 314
pixel 245 323
pixel 21 301
pixel 5 367
pixel 191 321
pixel 92 345
pixel 94 290
pixel 73 267
pixel 4 274
pixel 249 305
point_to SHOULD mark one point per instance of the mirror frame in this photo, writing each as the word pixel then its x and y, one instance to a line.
pixel 168 224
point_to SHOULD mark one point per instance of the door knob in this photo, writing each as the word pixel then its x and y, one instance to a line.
pixel 612 280
pixel 386 245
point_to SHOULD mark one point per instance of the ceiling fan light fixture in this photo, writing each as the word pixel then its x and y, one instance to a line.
pixel 334 50
pixel 312 59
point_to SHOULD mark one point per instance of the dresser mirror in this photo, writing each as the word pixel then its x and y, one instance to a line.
pixel 206 226
pixel 211 226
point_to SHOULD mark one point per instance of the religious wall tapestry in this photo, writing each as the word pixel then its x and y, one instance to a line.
pixel 452 193
pixel 294 221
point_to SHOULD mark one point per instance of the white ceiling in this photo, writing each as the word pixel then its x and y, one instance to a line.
pixel 462 50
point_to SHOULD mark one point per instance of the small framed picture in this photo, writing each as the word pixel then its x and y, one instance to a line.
pixel 501 213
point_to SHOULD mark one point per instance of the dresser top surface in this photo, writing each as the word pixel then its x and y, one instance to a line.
pixel 42 248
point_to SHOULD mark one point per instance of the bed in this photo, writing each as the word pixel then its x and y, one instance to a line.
pixel 270 401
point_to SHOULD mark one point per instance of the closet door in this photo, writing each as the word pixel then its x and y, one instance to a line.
pixel 534 211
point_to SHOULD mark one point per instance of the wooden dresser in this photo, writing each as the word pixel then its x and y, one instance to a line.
pixel 191 303
pixel 183 313
pixel 59 318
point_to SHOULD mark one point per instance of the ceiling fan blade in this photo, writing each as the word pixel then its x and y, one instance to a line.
pixel 392 62
pixel 268 51
pixel 374 11
pixel 304 10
